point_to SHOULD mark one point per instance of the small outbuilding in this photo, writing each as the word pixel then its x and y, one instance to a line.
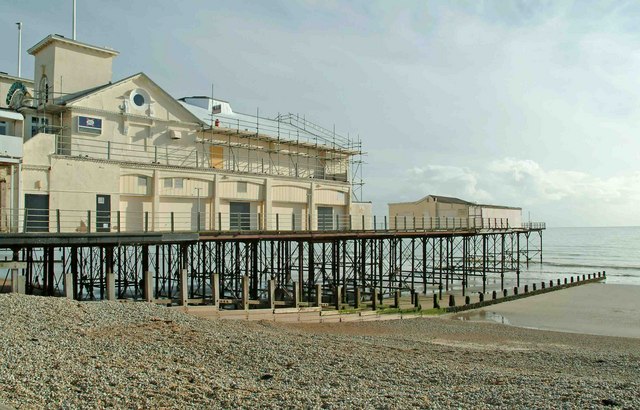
pixel 441 211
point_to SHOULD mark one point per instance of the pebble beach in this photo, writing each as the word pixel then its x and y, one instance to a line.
pixel 58 353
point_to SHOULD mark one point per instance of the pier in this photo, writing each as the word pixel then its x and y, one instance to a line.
pixel 248 269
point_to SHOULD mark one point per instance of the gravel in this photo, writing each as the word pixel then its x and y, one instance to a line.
pixel 57 353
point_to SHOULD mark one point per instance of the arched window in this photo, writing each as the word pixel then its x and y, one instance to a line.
pixel 43 90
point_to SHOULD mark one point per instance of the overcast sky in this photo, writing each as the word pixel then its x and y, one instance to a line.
pixel 524 103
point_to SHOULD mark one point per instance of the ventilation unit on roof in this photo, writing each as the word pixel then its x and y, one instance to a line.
pixel 175 135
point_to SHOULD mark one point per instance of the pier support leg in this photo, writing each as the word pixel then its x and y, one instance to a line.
pixel 245 292
pixel 357 301
pixel 318 295
pixel 68 285
pixel 148 286
pixel 374 299
pixel 111 285
pixel 184 288
pixel 396 299
pixel 215 290
pixel 272 294
pixel 17 282
pixel 296 295
pixel 338 297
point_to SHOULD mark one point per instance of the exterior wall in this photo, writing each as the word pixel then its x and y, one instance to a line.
pixel 65 67
pixel 359 209
pixel 514 215
pixel 422 209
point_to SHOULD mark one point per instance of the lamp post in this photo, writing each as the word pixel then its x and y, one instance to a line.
pixel 198 207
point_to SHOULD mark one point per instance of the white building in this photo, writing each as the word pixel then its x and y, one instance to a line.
pixel 97 155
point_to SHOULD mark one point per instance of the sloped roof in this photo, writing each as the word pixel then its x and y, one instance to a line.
pixel 71 98
pixel 449 200
pixel 438 198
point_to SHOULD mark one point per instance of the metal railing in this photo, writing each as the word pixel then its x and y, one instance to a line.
pixel 90 221
pixel 236 159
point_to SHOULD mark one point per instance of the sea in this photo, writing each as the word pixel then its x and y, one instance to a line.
pixel 577 251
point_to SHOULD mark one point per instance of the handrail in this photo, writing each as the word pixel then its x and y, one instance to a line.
pixel 89 221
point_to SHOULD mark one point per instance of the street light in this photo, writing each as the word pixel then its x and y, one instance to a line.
pixel 198 218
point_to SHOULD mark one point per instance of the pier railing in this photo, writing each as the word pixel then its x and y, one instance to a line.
pixel 90 221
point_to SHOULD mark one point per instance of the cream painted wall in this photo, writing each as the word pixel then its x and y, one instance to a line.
pixel 229 190
pixel 290 193
pixel 66 67
pixel 331 196
pixel 514 215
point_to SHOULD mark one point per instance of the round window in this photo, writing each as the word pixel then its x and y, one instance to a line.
pixel 138 100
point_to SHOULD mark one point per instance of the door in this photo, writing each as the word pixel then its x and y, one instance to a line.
pixel 36 213
pixel 240 216
pixel 325 218
pixel 103 213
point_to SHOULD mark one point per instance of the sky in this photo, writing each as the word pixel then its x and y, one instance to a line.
pixel 533 104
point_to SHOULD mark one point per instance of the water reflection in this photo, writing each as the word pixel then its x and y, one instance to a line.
pixel 483 316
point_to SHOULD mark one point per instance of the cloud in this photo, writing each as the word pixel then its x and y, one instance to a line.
pixel 447 180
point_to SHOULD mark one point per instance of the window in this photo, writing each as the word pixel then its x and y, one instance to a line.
pixel 179 183
pixel 242 187
pixel 39 124
pixel 139 99
pixel 142 181
pixel 3 128
pixel 168 182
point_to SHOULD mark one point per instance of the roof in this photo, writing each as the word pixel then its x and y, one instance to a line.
pixel 71 98
pixel 250 126
pixel 450 200
pixel 499 206
pixel 52 38
pixel 77 95
pixel 11 115
pixel 453 200
pixel 437 198
pixel 15 78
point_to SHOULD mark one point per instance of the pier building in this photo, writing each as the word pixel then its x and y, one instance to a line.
pixel 434 209
pixel 113 156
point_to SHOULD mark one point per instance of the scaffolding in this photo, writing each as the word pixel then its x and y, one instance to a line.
pixel 287 145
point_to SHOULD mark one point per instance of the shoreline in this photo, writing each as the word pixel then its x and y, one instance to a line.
pixel 591 309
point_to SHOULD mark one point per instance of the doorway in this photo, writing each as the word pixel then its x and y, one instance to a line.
pixel 103 213
pixel 240 216
pixel 36 213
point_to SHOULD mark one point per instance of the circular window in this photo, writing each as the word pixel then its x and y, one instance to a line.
pixel 138 100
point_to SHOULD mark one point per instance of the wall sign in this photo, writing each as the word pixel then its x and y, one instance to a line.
pixel 90 125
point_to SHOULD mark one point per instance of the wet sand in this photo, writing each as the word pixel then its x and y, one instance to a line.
pixel 597 309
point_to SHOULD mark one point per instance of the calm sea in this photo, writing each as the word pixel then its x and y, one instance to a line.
pixel 571 251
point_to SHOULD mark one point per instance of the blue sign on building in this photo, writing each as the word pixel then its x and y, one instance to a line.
pixel 90 125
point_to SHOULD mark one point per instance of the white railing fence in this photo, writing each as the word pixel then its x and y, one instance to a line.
pixel 89 221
